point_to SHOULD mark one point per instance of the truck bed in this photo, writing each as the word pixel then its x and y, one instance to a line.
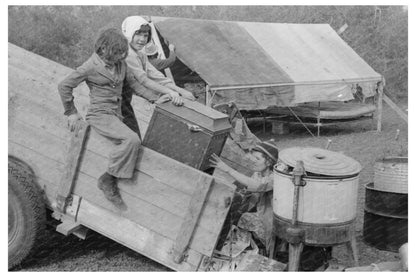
pixel 159 197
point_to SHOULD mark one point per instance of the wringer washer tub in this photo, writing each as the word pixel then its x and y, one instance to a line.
pixel 315 191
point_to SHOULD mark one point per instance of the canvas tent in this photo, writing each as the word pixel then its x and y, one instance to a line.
pixel 258 65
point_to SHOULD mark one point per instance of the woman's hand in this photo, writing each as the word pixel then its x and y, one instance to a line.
pixel 218 163
pixel 74 123
pixel 162 99
pixel 176 99
pixel 171 47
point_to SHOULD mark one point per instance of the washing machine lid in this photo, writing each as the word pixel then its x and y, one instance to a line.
pixel 320 161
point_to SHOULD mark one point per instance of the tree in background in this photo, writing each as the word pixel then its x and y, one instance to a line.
pixel 65 34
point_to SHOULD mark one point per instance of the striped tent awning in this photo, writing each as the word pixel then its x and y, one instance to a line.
pixel 258 65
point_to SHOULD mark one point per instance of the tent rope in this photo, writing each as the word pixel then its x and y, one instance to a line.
pixel 306 127
pixel 212 97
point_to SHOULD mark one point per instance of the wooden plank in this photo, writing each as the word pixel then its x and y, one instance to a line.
pixel 213 216
pixel 41 142
pixel 22 58
pixel 44 116
pixel 45 88
pixel 134 236
pixel 72 164
pixel 67 227
pixel 396 108
pixel 191 217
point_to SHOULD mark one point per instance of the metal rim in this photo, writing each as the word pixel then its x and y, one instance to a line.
pixel 321 161
pixel 370 186
pixel 321 178
pixel 308 224
pixel 394 159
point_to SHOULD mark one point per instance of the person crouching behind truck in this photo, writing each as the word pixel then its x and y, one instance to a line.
pixel 104 73
pixel 252 204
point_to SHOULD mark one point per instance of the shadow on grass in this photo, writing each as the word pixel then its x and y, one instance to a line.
pixel 60 253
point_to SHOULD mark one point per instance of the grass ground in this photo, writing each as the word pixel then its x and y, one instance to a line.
pixel 357 140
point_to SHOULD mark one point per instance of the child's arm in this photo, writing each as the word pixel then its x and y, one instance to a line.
pixel 147 94
pixel 138 89
pixel 152 79
pixel 162 64
pixel 65 89
pixel 252 184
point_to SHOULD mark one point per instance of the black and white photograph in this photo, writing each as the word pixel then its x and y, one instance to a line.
pixel 199 137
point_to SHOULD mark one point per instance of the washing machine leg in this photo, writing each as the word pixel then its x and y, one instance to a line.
pixel 353 250
pixel 295 250
pixel 272 247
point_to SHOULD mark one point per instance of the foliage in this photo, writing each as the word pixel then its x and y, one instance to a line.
pixel 65 34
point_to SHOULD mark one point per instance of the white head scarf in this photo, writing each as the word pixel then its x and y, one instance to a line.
pixel 131 24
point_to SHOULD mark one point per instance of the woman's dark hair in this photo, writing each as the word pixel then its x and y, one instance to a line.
pixel 145 28
pixel 111 42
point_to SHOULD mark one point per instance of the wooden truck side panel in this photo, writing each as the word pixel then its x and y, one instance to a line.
pixel 159 194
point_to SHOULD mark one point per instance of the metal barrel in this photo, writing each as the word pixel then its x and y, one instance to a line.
pixel 390 174
pixel 385 218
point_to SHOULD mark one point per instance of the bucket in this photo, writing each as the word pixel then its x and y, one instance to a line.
pixel 390 174
pixel 385 218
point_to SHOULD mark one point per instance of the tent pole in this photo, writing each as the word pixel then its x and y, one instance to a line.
pixel 380 105
pixel 207 96
pixel 342 81
pixel 319 119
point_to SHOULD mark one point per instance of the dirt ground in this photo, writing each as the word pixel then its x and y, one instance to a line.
pixel 357 140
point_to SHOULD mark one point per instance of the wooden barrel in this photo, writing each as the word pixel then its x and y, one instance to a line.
pixel 390 174
pixel 385 218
